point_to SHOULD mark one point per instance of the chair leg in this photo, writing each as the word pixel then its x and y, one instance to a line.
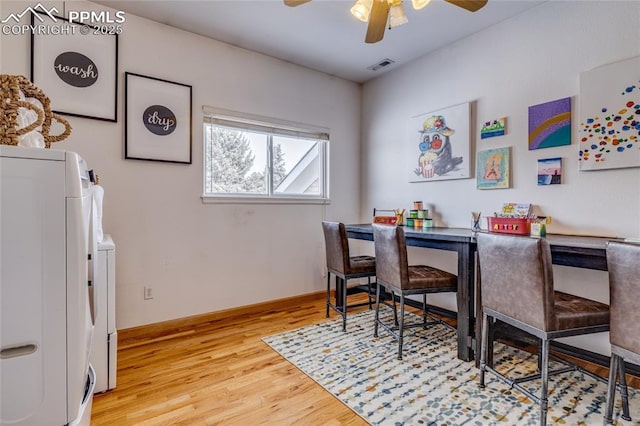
pixel 395 310
pixel 401 327
pixel 369 289
pixel 484 347
pixel 492 338
pixel 377 317
pixel 544 372
pixel 344 304
pixel 328 292
pixel 623 390
pixel 611 389
pixel 539 355
pixel 424 311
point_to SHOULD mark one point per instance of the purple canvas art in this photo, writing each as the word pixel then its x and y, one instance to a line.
pixel 550 124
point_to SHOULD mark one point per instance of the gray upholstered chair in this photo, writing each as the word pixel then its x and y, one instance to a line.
pixel 344 267
pixel 623 263
pixel 517 288
pixel 395 274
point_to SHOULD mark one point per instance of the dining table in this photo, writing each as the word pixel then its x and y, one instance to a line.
pixel 578 251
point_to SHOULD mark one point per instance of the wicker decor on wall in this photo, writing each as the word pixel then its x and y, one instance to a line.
pixel 11 87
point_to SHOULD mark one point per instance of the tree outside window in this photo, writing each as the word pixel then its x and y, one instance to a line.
pixel 239 161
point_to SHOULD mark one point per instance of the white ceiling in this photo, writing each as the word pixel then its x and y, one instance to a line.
pixel 322 34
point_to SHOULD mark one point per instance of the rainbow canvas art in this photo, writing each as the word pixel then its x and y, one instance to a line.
pixel 550 124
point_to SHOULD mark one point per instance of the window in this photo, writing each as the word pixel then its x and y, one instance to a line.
pixel 254 158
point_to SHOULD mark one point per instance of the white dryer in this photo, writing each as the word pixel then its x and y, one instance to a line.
pixel 47 250
pixel 104 349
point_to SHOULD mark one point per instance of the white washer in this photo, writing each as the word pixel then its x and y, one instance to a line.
pixel 46 246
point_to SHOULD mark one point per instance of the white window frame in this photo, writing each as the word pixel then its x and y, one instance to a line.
pixel 272 127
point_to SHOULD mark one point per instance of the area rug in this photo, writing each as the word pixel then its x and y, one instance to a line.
pixel 430 385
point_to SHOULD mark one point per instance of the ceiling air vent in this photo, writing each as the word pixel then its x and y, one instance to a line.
pixel 383 63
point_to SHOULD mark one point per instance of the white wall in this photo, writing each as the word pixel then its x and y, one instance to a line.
pixel 532 58
pixel 199 257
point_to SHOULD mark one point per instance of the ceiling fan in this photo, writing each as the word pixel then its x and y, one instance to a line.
pixel 380 12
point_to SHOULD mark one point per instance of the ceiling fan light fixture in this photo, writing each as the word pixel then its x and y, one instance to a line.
pixel 362 9
pixel 419 4
pixel 397 16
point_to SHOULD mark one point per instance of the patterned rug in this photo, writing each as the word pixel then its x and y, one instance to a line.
pixel 431 386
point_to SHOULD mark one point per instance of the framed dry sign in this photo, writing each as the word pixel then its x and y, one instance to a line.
pixel 76 66
pixel 157 119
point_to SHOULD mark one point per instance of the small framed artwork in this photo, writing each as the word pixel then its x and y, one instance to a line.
pixel 157 119
pixel 76 66
pixel 550 171
pixel 493 170
pixel 550 124
pixel 493 128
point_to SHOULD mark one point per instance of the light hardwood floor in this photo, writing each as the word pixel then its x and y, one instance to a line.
pixel 215 369
pixel 218 372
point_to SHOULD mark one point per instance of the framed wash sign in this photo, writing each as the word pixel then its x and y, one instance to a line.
pixel 76 66
pixel 157 119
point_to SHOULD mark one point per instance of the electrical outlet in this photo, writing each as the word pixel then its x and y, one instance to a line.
pixel 148 293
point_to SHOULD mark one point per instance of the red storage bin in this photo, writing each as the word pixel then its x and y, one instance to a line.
pixel 509 225
pixel 387 220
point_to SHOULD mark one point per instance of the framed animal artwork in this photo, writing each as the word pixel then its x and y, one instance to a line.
pixel 439 145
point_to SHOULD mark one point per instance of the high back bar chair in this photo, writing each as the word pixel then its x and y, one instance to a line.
pixel 517 288
pixel 395 274
pixel 623 264
pixel 344 267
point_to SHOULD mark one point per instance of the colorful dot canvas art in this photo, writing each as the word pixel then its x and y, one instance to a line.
pixel 609 129
pixel 550 124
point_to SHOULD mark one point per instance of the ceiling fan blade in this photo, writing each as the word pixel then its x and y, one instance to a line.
pixel 470 5
pixel 293 3
pixel 377 21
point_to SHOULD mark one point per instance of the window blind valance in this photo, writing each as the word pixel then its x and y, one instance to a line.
pixel 256 123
